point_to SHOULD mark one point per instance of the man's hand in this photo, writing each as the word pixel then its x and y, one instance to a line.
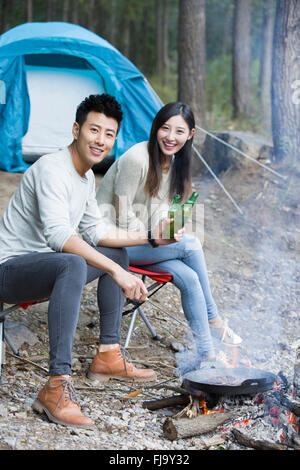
pixel 158 233
pixel 132 287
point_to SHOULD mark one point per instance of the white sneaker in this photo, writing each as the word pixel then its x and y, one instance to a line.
pixel 226 335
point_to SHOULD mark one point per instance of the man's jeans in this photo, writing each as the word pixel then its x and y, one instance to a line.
pixel 185 261
pixel 61 277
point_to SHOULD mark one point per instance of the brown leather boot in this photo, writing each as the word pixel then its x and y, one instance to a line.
pixel 57 399
pixel 112 365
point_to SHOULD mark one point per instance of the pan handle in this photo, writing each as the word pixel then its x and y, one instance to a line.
pixel 253 382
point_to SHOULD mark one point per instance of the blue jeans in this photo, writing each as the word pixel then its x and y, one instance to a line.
pixel 61 277
pixel 185 261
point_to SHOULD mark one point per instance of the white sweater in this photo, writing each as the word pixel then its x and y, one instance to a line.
pixel 51 203
pixel 121 196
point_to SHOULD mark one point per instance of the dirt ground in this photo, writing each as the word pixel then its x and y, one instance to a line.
pixel 253 265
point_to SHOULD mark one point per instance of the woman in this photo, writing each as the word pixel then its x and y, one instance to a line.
pixel 137 191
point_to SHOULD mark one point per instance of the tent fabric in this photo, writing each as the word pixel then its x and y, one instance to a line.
pixel 120 78
pixel 14 114
pixel 54 93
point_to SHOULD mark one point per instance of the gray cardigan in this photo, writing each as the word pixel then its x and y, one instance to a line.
pixel 121 196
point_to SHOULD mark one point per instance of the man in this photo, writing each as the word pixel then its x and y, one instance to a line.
pixel 43 256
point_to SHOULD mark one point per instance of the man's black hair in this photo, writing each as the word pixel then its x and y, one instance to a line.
pixel 104 103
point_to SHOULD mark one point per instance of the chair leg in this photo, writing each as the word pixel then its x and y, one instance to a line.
pixel 2 346
pixel 2 350
pixel 4 337
pixel 11 344
pixel 147 323
pixel 130 329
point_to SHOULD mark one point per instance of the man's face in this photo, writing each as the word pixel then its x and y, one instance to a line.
pixel 94 139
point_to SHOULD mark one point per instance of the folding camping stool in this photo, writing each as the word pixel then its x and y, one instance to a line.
pixel 3 333
pixel 160 280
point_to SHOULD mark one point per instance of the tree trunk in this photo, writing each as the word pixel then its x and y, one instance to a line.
pixel 133 41
pixel 241 59
pixel 159 21
pixel 286 81
pixel 227 35
pixel 162 39
pixel 266 61
pixel 113 22
pixel 144 50
pixel 29 11
pixel 165 43
pixel 192 56
pixel 66 10
pixel 4 11
pixel 75 12
pixel 11 10
pixel 91 16
pixel 51 10
pixel 126 36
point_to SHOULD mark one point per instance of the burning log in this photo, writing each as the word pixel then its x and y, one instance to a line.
pixel 296 381
pixel 182 399
pixel 175 429
pixel 296 442
pixel 287 399
pixel 165 402
pixel 257 444
pixel 291 404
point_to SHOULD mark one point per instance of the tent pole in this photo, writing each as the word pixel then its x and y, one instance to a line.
pixel 219 182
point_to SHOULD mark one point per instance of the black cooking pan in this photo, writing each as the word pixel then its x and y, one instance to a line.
pixel 228 381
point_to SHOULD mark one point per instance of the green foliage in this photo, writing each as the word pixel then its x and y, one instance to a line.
pixel 167 93
pixel 218 98
pixel 130 25
pixel 218 92
pixel 219 17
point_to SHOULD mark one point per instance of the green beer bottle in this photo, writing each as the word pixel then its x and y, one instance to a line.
pixel 180 214
pixel 169 230
pixel 187 207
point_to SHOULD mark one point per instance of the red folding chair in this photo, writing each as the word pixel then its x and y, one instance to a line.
pixel 3 333
pixel 160 280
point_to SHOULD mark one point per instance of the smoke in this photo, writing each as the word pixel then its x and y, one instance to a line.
pixel 269 304
pixel 253 262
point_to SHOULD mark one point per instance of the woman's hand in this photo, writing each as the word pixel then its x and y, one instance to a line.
pixel 158 233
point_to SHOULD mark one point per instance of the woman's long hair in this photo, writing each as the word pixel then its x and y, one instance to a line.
pixel 181 165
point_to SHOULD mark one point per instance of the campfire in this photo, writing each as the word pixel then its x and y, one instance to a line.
pixel 247 407
pixel 195 408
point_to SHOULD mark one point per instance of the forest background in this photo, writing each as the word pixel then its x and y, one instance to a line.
pixel 148 33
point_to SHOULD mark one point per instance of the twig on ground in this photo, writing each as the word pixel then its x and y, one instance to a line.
pixel 21 358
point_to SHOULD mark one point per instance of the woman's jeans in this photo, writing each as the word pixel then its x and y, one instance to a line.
pixel 61 277
pixel 185 261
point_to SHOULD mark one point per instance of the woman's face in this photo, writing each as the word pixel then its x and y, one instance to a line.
pixel 173 134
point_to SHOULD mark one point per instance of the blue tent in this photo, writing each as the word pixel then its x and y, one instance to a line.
pixel 55 47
